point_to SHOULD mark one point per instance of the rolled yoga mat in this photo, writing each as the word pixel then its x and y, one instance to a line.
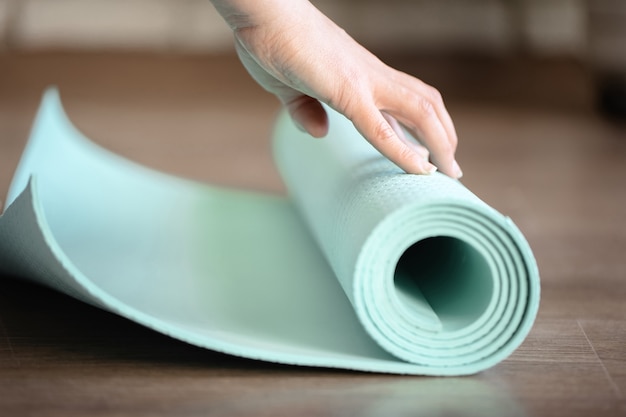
pixel 361 267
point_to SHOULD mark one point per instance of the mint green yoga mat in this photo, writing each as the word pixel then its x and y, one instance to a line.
pixel 362 267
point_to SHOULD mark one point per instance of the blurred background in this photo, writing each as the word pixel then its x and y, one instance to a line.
pixel 586 36
pixel 134 74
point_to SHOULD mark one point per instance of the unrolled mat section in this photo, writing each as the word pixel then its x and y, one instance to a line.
pixel 361 267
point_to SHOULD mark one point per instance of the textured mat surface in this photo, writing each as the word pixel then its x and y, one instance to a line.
pixel 361 267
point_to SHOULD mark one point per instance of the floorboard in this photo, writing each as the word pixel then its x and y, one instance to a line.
pixel 558 170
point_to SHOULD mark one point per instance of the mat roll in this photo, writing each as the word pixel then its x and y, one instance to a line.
pixel 361 267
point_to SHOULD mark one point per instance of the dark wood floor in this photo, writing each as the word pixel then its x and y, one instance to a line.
pixel 550 163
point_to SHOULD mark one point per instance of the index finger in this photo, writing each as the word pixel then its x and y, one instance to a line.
pixel 371 123
pixel 419 107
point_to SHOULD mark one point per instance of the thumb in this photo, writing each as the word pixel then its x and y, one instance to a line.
pixel 309 115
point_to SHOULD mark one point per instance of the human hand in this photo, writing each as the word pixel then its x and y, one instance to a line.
pixel 295 52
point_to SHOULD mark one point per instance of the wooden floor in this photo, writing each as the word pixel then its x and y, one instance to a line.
pixel 554 166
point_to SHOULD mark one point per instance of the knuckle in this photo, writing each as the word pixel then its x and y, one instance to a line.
pixel 429 102
pixel 435 95
pixel 384 134
pixel 425 106
pixel 343 100
pixel 454 142
pixel 405 153
pixel 348 91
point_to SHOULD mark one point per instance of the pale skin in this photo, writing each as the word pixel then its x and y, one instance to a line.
pixel 297 53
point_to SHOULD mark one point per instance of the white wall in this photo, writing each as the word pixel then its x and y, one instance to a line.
pixel 113 24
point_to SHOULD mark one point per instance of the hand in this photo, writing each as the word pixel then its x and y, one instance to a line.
pixel 295 52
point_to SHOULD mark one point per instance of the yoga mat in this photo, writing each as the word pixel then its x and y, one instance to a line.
pixel 360 267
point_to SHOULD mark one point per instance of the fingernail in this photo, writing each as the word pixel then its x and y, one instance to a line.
pixel 457 170
pixel 430 169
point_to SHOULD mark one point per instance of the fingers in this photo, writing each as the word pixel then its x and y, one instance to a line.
pixel 417 147
pixel 419 107
pixel 425 125
pixel 371 123
pixel 421 110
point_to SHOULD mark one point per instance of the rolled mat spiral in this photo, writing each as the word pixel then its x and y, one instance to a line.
pixel 361 267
